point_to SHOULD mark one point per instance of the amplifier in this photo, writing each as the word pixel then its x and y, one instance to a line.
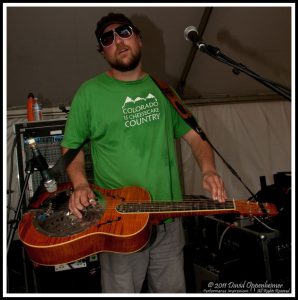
pixel 247 252
pixel 23 276
pixel 203 275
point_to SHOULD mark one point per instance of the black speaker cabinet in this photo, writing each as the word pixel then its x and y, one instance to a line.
pixel 244 252
pixel 24 277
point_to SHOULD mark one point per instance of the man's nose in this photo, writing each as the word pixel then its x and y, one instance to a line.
pixel 117 38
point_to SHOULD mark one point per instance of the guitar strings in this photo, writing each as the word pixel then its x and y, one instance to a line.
pixel 135 205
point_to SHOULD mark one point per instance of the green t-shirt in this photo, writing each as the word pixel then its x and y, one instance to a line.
pixel 132 128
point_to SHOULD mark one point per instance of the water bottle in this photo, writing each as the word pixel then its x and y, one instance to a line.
pixel 37 109
pixel 30 102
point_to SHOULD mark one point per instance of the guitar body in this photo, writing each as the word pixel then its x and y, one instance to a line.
pixel 113 232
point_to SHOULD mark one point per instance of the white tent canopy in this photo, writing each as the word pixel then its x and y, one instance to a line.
pixel 51 50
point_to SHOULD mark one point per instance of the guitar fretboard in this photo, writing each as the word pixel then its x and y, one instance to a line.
pixel 172 206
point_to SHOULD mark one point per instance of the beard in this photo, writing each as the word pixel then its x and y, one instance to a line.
pixel 130 65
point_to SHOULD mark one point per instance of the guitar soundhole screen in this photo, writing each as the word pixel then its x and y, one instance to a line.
pixel 54 220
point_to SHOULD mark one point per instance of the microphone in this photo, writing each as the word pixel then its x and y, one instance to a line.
pixel 191 34
pixel 47 179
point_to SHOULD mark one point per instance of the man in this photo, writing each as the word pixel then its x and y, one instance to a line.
pixel 132 128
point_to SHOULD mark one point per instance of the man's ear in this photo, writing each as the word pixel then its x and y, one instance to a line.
pixel 140 41
pixel 99 49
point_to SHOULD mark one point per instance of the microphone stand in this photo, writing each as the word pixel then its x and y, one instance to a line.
pixel 29 170
pixel 238 67
pixel 14 223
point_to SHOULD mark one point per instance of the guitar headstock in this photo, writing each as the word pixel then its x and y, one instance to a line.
pixel 252 208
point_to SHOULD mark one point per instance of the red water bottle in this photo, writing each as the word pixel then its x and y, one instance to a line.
pixel 30 102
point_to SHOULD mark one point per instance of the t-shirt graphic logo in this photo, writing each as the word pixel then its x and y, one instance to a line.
pixel 140 110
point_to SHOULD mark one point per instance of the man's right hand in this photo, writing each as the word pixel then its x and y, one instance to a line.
pixel 80 198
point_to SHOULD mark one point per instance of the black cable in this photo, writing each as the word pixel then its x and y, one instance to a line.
pixel 10 178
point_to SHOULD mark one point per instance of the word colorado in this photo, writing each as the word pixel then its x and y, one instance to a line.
pixel 140 110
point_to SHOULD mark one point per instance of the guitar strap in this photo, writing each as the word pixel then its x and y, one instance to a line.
pixel 64 160
pixel 175 100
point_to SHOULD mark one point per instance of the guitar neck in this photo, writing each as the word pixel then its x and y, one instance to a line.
pixel 161 210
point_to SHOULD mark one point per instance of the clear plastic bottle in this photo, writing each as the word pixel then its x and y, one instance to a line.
pixel 37 109
pixel 30 102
